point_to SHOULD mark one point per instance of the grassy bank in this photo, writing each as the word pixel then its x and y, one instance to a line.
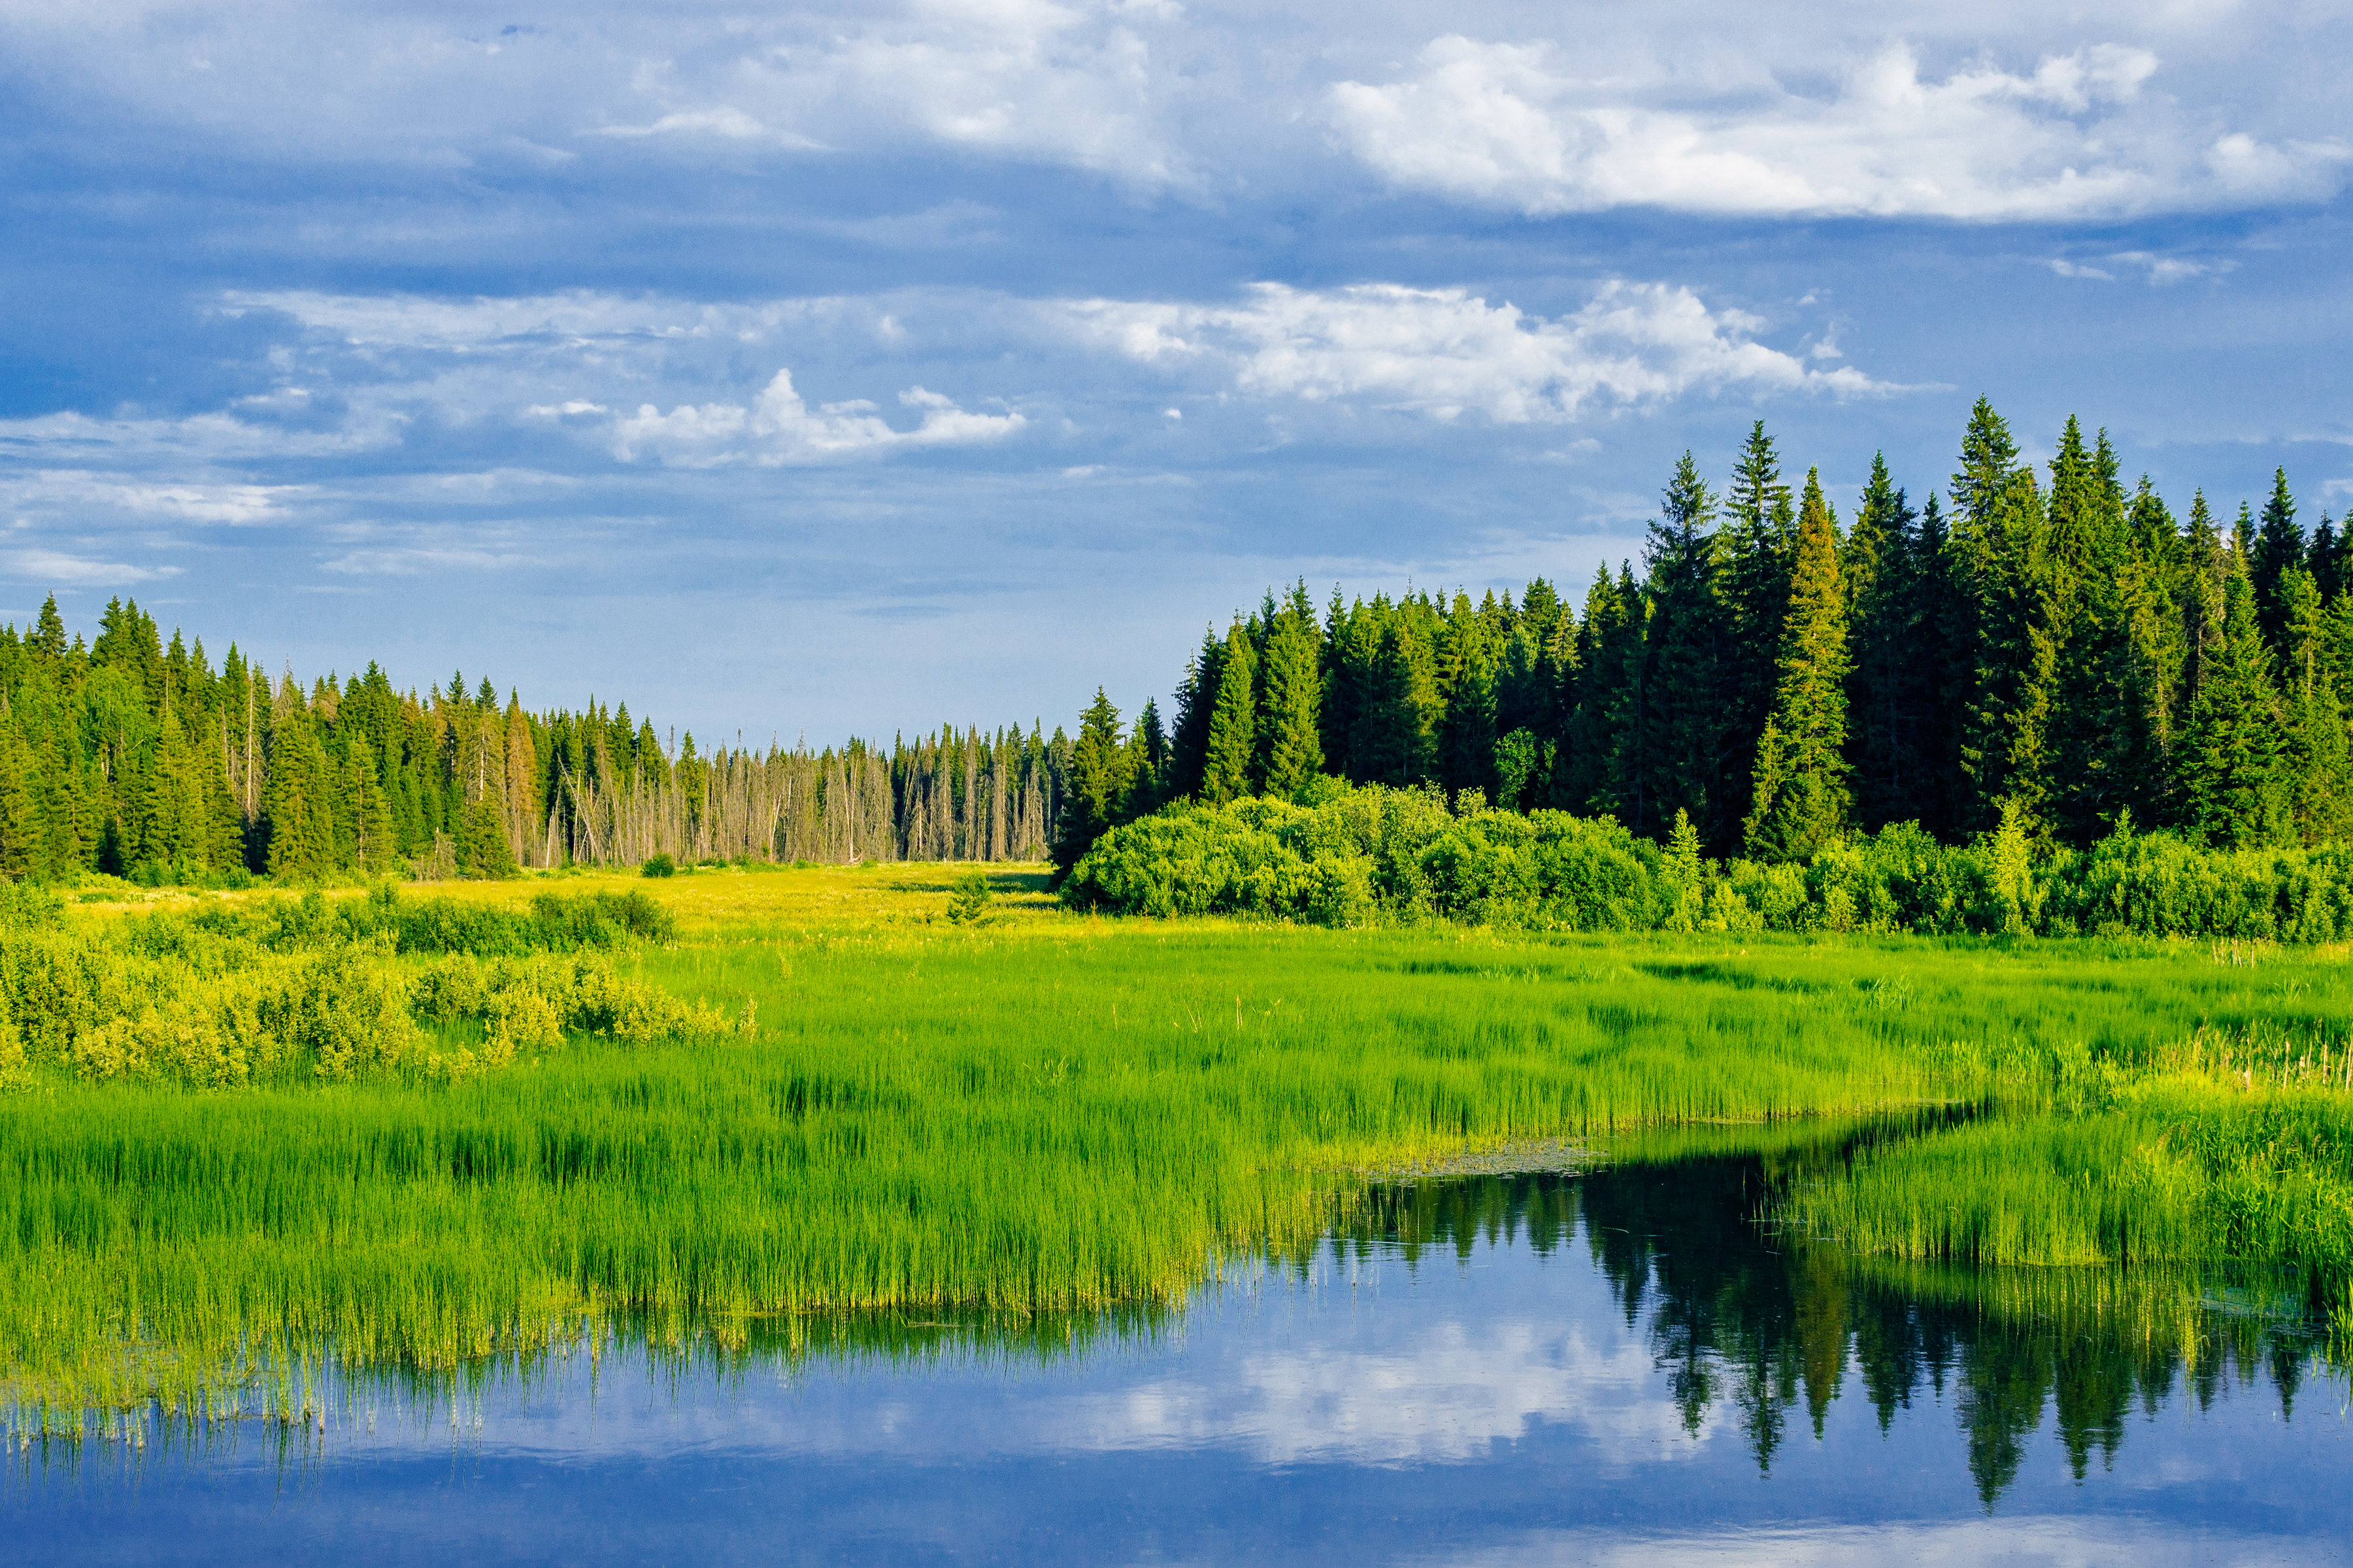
pixel 1030 1113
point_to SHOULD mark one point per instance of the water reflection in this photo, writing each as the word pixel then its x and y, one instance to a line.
pixel 1773 1329
pixel 1531 1370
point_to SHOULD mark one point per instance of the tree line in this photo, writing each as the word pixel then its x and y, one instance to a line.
pixel 136 757
pixel 2047 649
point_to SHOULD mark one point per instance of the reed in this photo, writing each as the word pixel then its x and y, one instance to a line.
pixel 1047 1114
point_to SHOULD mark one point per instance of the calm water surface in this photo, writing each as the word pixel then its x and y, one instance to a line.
pixel 1611 1368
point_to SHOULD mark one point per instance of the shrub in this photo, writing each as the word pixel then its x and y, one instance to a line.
pixel 1343 856
pixel 658 866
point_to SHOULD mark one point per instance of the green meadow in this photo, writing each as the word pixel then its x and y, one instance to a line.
pixel 865 1095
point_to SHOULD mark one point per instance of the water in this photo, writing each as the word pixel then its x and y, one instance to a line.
pixel 1612 1368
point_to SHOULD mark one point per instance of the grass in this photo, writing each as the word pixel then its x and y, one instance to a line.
pixel 1043 1115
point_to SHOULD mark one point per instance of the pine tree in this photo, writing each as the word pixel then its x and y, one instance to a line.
pixel 2231 753
pixel 2279 550
pixel 370 824
pixel 1999 551
pixel 2155 656
pixel 1682 687
pixel 301 814
pixel 1233 722
pixel 1097 782
pixel 1197 702
pixel 1398 742
pixel 2086 610
pixel 1801 801
pixel 1755 552
pixel 22 840
pixel 1890 685
pixel 1945 670
pixel 1468 696
pixel 1292 700
pixel 1583 762
pixel 2317 769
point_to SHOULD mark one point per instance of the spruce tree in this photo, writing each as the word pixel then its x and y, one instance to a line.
pixel 1399 743
pixel 2326 558
pixel 1891 682
pixel 21 839
pixel 1682 687
pixel 1945 671
pixel 2279 550
pixel 1097 782
pixel 2230 774
pixel 2085 611
pixel 2154 657
pixel 2315 768
pixel 1755 556
pixel 1585 761
pixel 1468 695
pixel 1233 723
pixel 1197 702
pixel 1801 803
pixel 1290 706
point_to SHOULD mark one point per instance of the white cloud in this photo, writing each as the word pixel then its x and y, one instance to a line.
pixel 2078 136
pixel 1073 83
pixel 778 427
pixel 410 562
pixel 1445 353
pixel 53 490
pixel 55 566
pixel 2155 267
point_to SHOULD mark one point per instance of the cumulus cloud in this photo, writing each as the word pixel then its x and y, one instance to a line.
pixel 1074 82
pixel 777 428
pixel 2078 136
pixel 1445 353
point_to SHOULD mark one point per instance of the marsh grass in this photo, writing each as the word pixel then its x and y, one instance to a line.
pixel 1037 1119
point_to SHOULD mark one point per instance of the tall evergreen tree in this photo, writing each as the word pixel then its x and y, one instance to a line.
pixel 1097 782
pixel 1467 691
pixel 1891 683
pixel 1398 730
pixel 2279 550
pixel 1291 703
pixel 1233 723
pixel 2231 773
pixel 1196 704
pixel 1801 802
pixel 1683 685
pixel 1755 553
pixel 2315 767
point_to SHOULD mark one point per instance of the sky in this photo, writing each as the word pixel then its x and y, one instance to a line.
pixel 809 371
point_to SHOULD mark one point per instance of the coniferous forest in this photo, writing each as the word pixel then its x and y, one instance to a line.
pixel 2047 647
pixel 2056 649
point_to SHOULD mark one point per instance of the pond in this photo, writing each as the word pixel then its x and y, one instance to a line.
pixel 1617 1366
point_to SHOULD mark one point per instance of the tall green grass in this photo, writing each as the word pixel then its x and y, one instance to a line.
pixel 1043 1119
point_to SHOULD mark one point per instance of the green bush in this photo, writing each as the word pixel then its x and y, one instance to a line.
pixel 1357 856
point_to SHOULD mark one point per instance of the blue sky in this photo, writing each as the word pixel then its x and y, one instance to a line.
pixel 791 370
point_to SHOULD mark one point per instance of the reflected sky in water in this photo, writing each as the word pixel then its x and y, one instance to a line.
pixel 1613 1368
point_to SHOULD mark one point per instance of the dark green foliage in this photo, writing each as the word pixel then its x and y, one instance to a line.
pixel 660 865
pixel 1102 779
pixel 2234 793
pixel 1685 652
pixel 2278 550
pixel 2035 660
pixel 1233 721
pixel 1800 802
